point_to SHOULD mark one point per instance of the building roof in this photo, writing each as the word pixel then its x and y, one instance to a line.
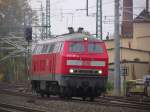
pixel 143 17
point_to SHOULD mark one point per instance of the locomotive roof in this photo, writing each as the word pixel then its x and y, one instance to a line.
pixel 73 36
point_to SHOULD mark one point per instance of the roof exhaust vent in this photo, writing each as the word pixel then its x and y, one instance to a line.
pixel 71 30
pixel 80 30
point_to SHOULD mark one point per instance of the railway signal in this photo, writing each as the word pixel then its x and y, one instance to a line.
pixel 28 34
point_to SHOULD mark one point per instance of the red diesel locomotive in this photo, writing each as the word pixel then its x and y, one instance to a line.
pixel 73 64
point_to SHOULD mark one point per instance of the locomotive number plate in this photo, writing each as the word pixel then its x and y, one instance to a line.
pixel 86 63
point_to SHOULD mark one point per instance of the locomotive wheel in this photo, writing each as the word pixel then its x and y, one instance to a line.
pixel 61 93
pixel 65 92
pixel 42 94
pixel 91 93
pixel 83 98
pixel 91 98
pixel 48 95
pixel 68 93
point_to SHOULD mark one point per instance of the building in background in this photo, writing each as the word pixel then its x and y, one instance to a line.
pixel 135 51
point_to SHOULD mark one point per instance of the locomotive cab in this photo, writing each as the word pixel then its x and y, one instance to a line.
pixel 85 66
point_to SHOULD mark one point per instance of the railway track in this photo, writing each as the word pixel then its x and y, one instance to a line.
pixel 15 108
pixel 134 100
pixel 105 101
pixel 124 103
pixel 142 104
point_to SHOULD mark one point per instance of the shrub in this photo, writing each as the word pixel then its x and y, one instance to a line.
pixel 110 86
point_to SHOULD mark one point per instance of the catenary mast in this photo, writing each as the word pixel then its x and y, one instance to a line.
pixel 48 23
pixel 117 83
pixel 99 19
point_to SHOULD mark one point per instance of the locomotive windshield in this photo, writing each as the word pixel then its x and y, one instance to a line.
pixel 81 47
pixel 76 47
pixel 95 48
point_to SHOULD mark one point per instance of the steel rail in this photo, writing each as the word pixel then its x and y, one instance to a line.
pixel 140 101
pixel 13 108
pixel 122 103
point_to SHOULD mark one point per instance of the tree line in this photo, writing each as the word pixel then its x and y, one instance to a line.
pixel 14 15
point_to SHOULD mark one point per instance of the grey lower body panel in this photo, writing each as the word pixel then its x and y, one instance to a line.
pixel 73 80
pixel 78 81
pixel 85 85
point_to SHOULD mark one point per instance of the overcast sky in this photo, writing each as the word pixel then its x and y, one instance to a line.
pixel 64 14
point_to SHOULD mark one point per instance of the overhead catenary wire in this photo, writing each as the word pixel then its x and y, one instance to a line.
pixel 74 10
pixel 79 14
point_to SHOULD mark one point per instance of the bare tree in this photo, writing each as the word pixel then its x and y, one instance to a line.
pixel 14 14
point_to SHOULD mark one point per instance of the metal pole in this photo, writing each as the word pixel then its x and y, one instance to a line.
pixel 28 60
pixel 99 19
pixel 25 62
pixel 48 24
pixel 87 7
pixel 42 30
pixel 147 5
pixel 117 83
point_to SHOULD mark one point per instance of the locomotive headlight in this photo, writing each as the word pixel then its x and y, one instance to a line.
pixel 85 38
pixel 71 70
pixel 100 71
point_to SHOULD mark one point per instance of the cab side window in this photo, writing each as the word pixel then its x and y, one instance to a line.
pixel 51 47
pixel 44 48
pixel 58 47
pixel 48 48
pixel 37 49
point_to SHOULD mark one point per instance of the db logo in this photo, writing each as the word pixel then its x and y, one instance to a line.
pixel 86 63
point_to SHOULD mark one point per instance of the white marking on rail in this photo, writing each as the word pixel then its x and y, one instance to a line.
pixel 119 102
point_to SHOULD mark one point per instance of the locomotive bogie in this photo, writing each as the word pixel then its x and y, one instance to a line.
pixel 71 86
